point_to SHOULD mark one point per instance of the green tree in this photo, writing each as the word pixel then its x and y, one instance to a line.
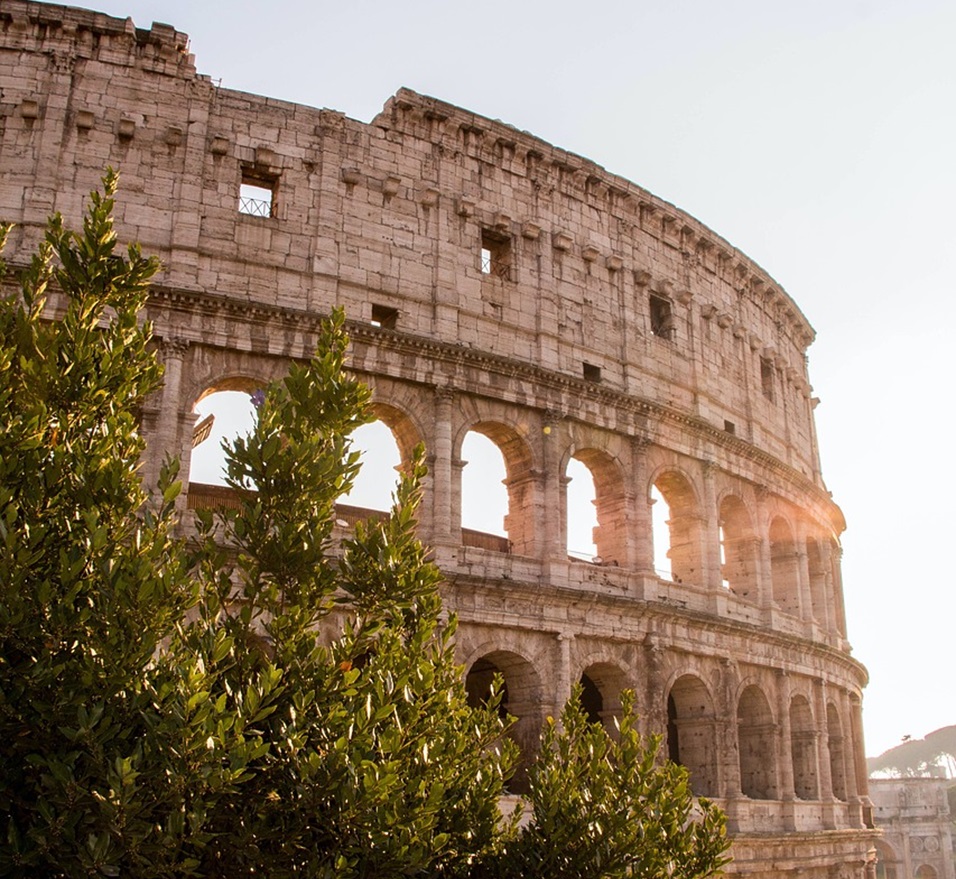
pixel 608 806
pixel 171 710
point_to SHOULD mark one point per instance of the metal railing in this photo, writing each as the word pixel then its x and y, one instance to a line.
pixel 255 207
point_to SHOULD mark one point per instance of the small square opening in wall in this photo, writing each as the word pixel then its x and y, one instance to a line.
pixel 730 427
pixel 257 195
pixel 385 317
pixel 592 373
pixel 495 254
pixel 662 317
pixel 766 377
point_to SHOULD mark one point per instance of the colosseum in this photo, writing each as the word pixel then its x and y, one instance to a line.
pixel 500 285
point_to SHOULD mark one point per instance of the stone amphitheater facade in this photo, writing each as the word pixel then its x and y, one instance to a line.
pixel 499 284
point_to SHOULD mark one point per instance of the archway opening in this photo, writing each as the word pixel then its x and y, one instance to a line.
pixel 520 698
pixel 691 733
pixel 783 567
pixel 660 516
pixel 498 490
pixel 683 528
pixel 582 516
pixel 836 746
pixel 816 570
pixel 755 740
pixel 591 700
pixel 381 461
pixel 223 415
pixel 484 494
pixel 803 749
pixel 738 549
pixel 601 686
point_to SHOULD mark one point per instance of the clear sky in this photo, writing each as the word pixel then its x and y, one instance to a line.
pixel 818 136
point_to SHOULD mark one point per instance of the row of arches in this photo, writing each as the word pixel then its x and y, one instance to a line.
pixel 743 749
pixel 488 486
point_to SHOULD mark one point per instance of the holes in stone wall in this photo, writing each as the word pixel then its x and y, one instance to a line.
pixel 496 254
pixel 384 316
pixel 662 317
pixel 592 373
pixel 257 193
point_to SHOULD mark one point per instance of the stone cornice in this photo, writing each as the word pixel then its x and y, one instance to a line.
pixel 546 380
pixel 665 613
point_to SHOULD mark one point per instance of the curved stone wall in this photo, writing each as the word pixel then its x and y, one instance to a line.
pixel 499 284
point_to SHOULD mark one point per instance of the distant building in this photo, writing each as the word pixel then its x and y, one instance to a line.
pixel 917 826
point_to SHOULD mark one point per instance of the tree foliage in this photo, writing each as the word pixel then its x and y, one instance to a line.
pixel 168 709
pixel 934 755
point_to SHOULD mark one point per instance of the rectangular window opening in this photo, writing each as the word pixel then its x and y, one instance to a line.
pixel 592 373
pixel 257 195
pixel 385 317
pixel 730 427
pixel 662 318
pixel 766 377
pixel 495 254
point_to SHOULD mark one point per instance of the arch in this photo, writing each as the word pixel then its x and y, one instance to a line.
pixel 738 548
pixel 375 483
pixel 756 745
pixel 405 429
pixel 521 485
pixel 521 698
pixel 692 733
pixel 836 746
pixel 803 749
pixel 817 575
pixel 925 871
pixel 784 573
pixel 887 861
pixel 683 525
pixel 223 410
pixel 610 504
pixel 601 684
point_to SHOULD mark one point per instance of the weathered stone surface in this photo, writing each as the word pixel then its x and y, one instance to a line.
pixel 914 815
pixel 498 283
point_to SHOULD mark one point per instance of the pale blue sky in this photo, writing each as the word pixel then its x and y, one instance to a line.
pixel 818 137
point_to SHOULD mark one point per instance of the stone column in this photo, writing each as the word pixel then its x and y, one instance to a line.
pixel 712 576
pixel 787 791
pixel 729 754
pixel 553 542
pixel 764 564
pixel 562 689
pixel 823 753
pixel 655 706
pixel 829 616
pixel 640 536
pixel 443 515
pixel 172 430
